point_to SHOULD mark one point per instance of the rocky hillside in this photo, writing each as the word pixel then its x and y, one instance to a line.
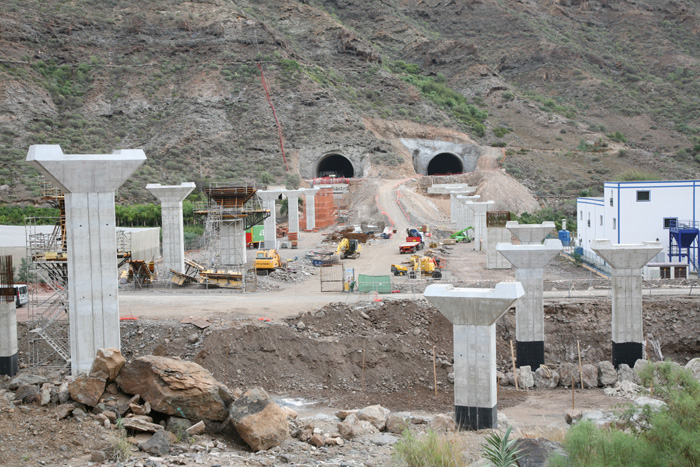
pixel 576 92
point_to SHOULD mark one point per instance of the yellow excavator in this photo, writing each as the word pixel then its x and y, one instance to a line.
pixel 348 248
pixel 268 260
pixel 424 265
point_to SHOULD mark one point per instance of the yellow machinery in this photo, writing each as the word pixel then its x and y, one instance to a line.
pixel 348 248
pixel 424 265
pixel 268 260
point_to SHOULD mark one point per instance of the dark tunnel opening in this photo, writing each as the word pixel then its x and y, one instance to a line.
pixel 445 164
pixel 335 165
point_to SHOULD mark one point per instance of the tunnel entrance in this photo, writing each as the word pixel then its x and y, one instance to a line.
pixel 335 165
pixel 445 164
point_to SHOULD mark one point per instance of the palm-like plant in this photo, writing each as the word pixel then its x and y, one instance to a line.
pixel 502 451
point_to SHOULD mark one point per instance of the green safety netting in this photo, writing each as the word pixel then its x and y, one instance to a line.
pixel 380 284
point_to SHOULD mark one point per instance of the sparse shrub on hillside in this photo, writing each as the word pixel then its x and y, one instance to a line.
pixel 437 91
pixel 634 175
pixel 617 137
pixel 500 132
pixel 551 105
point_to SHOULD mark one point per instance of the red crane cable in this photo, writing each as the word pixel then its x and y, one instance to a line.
pixel 279 128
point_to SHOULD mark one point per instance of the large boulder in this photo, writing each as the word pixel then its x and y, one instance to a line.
pixel 546 378
pixel 259 421
pixel 590 375
pixel 569 374
pixel 87 389
pixel 607 376
pixel 176 387
pixel 25 379
pixel 375 414
pixel 107 364
pixel 694 367
pixel 535 452
pixel 625 373
pixel 526 379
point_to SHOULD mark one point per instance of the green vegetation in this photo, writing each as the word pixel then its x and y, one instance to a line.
pixel 647 437
pixel 14 214
pixel 551 105
pixel 501 450
pixel 435 89
pixel 427 450
pixel 617 137
pixel 549 214
pixel 501 131
pixel 634 175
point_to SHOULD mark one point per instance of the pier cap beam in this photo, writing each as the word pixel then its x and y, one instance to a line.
pixel 171 193
pixel 85 173
pixel 531 256
pixel 626 256
pixel 530 233
pixel 473 307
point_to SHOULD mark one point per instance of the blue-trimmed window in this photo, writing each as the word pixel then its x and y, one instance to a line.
pixel 670 222
pixel 643 195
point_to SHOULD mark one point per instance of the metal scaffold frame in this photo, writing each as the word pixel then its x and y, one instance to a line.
pixel 48 343
pixel 228 204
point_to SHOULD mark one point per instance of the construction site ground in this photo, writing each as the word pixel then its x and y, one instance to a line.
pixel 322 351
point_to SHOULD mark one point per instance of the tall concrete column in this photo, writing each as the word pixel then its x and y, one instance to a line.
pixel 309 198
pixel 456 208
pixel 171 197
pixel 626 261
pixel 530 234
pixel 268 198
pixel 479 209
pixel 467 212
pixel 293 209
pixel 529 262
pixel 473 314
pixel 89 183
pixel 233 245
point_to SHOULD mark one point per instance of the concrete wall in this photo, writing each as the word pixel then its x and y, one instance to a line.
pixel 310 157
pixel 424 150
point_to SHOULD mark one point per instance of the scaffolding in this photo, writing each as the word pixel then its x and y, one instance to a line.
pixel 49 335
pixel 228 205
pixel 324 208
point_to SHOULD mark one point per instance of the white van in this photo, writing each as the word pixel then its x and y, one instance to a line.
pixel 21 295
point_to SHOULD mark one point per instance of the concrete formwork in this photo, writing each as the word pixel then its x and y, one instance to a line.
pixel 529 234
pixel 480 209
pixel 171 197
pixel 233 251
pixel 473 314
pixel 268 198
pixel 626 261
pixel 89 183
pixel 529 262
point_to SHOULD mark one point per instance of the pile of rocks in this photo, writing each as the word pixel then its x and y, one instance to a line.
pixel 165 397
pixel 601 375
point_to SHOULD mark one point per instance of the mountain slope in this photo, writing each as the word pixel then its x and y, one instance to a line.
pixel 577 91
